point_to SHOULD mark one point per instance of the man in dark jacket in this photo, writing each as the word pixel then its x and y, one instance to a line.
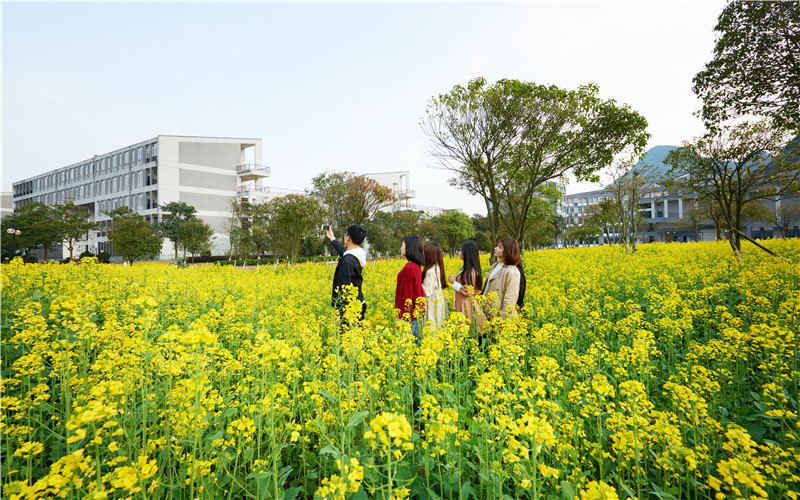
pixel 352 258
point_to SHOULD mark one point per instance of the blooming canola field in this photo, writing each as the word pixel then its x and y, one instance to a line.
pixel 673 373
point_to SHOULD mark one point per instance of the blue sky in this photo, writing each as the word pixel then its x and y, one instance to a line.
pixel 327 86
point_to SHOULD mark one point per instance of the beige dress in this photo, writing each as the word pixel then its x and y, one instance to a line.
pixel 463 303
pixel 435 304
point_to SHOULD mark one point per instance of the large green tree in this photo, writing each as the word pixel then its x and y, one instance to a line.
pixel 735 167
pixel 174 215
pixel 74 222
pixel 40 226
pixel 290 219
pixel 380 234
pixel 756 64
pixel 132 237
pixel 350 198
pixel 507 139
pixel 194 237
pixel 451 228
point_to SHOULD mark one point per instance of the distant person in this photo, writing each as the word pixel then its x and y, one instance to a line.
pixel 468 283
pixel 433 282
pixel 409 297
pixel 352 258
pixel 503 280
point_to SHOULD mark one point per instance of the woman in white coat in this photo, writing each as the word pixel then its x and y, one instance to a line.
pixel 433 283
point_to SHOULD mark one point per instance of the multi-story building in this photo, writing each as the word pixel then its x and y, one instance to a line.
pixel 6 204
pixel 665 215
pixel 205 172
pixel 400 184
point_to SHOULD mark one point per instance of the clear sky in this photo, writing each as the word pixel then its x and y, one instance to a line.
pixel 327 86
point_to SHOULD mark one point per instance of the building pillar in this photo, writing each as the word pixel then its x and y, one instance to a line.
pixel 653 209
pixel 680 207
pixel 666 208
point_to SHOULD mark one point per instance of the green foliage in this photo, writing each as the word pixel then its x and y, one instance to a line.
pixel 504 141
pixel 174 215
pixel 756 64
pixel 350 198
pixel 380 234
pixel 194 236
pixel 74 223
pixel 452 228
pixel 604 216
pixel 39 224
pixel 132 237
pixel 734 167
pixel 290 219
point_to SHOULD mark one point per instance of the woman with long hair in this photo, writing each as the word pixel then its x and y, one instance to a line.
pixel 468 283
pixel 433 282
pixel 409 297
pixel 502 283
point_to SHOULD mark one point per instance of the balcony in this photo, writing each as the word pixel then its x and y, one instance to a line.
pixel 406 194
pixel 248 191
pixel 251 171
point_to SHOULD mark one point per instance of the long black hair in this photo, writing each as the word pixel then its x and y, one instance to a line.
pixel 414 250
pixel 472 264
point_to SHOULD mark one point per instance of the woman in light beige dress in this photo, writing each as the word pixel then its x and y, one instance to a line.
pixel 434 282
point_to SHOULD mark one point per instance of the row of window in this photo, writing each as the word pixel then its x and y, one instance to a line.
pixel 107 164
pixel 136 202
pixel 114 184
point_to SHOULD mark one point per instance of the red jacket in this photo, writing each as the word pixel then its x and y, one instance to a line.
pixel 409 297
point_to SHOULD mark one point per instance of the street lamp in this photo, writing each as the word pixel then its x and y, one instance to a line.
pixel 14 232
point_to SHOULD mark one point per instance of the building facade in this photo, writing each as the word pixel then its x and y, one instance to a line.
pixel 665 217
pixel 205 172
pixel 400 184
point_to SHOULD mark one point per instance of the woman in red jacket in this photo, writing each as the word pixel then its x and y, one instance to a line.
pixel 409 297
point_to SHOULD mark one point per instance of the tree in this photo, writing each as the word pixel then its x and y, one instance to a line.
pixel 786 217
pixel 408 222
pixel 39 225
pixel 628 184
pixel 541 233
pixel 194 236
pixel 174 215
pixel 74 222
pixel 290 219
pixel 380 234
pixel 756 64
pixel 350 198
pixel 451 228
pixel 132 237
pixel 247 229
pixel 737 166
pixel 505 140
pixel 603 215
pixel 482 230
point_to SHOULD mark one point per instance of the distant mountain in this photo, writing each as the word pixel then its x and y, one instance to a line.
pixel 656 156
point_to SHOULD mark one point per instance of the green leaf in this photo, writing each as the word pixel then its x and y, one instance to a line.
pixel 291 493
pixel 661 493
pixel 356 419
pixel 329 450
pixel 567 491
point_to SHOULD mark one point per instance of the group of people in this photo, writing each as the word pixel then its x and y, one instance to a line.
pixel 421 282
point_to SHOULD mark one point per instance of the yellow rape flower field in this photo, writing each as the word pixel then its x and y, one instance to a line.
pixel 673 373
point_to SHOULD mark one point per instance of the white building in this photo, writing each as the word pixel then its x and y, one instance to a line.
pixel 400 184
pixel 205 172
